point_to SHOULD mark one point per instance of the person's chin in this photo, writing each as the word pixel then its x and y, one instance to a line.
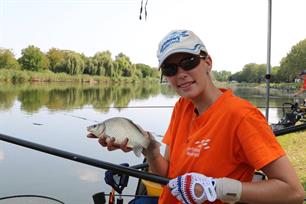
pixel 189 95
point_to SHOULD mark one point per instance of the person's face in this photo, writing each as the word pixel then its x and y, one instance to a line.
pixel 188 82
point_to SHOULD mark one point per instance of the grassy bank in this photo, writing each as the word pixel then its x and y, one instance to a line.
pixel 279 86
pixel 17 76
pixel 294 144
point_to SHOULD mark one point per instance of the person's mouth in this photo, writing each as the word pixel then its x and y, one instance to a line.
pixel 186 84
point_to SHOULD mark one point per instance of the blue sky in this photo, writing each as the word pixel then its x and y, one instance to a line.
pixel 234 31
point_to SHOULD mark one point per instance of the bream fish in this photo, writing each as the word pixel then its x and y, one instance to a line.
pixel 121 128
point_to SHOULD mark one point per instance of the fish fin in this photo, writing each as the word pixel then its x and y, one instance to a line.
pixel 135 125
pixel 137 151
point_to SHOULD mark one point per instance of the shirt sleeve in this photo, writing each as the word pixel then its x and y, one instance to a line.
pixel 258 144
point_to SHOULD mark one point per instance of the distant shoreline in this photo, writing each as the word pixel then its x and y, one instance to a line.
pixel 22 76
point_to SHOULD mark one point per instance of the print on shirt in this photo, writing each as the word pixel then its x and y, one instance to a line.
pixel 198 146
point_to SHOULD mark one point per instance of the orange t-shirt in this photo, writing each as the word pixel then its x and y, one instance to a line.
pixel 230 139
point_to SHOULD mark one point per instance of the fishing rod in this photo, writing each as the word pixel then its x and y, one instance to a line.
pixel 290 129
pixel 86 160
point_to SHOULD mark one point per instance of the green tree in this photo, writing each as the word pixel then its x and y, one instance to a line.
pixel 33 59
pixel 74 63
pixel 104 64
pixel 274 71
pixel 90 67
pixel 260 73
pixel 125 67
pixel 144 70
pixel 56 59
pixel 8 60
pixel 294 62
pixel 222 75
pixel 251 73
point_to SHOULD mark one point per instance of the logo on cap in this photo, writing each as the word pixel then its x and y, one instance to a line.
pixel 174 37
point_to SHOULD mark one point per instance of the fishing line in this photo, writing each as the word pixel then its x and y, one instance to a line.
pixel 152 107
pixel 79 117
pixel 139 107
pixel 31 197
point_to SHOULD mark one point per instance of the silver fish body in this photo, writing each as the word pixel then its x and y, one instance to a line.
pixel 121 128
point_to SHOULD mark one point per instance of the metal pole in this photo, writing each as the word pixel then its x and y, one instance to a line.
pixel 268 75
pixel 86 160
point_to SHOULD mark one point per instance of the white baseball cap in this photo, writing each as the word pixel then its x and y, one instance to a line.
pixel 178 41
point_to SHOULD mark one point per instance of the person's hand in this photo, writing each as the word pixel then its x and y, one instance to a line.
pixel 109 142
pixel 153 149
pixel 193 188
pixel 197 188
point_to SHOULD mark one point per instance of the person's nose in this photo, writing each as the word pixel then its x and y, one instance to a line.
pixel 180 71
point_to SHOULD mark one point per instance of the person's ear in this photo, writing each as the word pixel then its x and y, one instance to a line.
pixel 208 61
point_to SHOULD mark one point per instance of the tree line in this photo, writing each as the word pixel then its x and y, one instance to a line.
pixel 290 68
pixel 73 63
pixel 102 64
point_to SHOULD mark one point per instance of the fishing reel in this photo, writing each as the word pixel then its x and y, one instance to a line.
pixel 117 180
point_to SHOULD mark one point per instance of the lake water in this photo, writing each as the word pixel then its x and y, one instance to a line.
pixel 57 115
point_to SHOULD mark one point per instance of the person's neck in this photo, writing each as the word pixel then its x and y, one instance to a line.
pixel 206 100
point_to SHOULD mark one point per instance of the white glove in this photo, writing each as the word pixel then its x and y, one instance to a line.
pixel 183 188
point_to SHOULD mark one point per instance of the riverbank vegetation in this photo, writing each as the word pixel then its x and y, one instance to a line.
pixel 66 65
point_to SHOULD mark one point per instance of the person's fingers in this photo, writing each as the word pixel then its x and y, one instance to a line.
pixel 172 183
pixel 179 197
pixel 175 192
pixel 110 141
pixel 102 141
pixel 124 146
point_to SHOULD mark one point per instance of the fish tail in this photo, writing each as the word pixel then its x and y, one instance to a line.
pixel 137 151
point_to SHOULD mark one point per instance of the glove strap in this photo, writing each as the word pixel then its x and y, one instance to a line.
pixel 228 190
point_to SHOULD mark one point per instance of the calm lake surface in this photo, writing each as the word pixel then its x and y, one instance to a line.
pixel 57 115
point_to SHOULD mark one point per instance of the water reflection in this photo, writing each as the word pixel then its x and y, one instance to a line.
pixel 89 175
pixel 64 96
pixel 71 96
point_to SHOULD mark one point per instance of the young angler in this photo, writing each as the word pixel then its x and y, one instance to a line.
pixel 215 140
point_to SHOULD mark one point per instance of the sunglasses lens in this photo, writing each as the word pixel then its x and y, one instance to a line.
pixel 187 63
pixel 169 69
pixel 190 62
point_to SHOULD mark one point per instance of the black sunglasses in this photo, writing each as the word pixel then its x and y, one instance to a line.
pixel 187 63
